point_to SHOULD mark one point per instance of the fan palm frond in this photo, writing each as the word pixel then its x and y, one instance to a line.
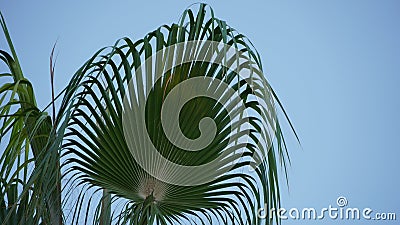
pixel 127 151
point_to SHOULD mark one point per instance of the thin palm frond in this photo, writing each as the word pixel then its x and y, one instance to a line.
pixel 24 140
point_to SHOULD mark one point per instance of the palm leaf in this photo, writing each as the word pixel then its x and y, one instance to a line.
pixel 24 137
pixel 111 118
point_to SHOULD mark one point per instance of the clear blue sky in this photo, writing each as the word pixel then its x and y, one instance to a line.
pixel 334 64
